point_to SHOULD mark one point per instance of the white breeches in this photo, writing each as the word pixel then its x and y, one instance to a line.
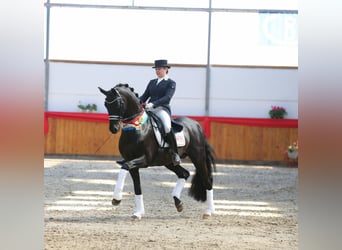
pixel 165 118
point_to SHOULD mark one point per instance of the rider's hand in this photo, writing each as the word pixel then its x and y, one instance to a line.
pixel 149 105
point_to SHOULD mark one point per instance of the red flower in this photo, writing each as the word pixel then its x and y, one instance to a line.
pixel 277 112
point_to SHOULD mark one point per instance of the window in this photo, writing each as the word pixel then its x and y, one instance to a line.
pixel 123 34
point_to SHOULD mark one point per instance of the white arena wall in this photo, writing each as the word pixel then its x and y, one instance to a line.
pixel 234 91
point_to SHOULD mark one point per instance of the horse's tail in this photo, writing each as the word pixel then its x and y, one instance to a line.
pixel 203 178
pixel 210 157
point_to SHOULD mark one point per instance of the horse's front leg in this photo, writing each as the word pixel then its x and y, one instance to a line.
pixel 117 195
pixel 136 163
pixel 138 197
pixel 133 168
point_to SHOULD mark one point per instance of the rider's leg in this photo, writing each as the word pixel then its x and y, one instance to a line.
pixel 170 138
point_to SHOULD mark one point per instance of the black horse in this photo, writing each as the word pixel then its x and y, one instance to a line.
pixel 140 149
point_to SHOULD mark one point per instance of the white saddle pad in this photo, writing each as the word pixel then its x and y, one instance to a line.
pixel 180 139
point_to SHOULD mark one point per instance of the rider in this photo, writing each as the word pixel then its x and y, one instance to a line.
pixel 159 92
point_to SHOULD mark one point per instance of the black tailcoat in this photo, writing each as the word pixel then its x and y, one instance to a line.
pixel 160 95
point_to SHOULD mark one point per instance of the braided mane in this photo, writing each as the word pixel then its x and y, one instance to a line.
pixel 125 85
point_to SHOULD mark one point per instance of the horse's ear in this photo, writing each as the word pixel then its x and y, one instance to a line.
pixel 103 91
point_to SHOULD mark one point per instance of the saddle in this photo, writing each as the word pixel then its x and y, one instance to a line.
pixel 159 132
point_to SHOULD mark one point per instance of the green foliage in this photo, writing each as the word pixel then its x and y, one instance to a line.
pixel 88 107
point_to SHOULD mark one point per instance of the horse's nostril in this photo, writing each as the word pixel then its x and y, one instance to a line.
pixel 113 129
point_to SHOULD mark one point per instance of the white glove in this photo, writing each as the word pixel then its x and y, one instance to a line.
pixel 149 105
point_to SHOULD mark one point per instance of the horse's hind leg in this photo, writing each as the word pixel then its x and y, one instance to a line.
pixel 202 185
pixel 210 204
pixel 176 193
pixel 182 175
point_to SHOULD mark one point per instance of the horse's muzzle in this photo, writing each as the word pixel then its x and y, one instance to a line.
pixel 113 130
pixel 114 127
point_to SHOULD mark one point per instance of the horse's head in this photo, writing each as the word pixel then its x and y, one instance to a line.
pixel 122 104
pixel 115 108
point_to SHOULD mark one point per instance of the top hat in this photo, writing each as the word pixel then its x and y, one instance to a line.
pixel 160 63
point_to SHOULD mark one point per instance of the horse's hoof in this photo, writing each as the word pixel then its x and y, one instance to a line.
pixel 136 217
pixel 206 216
pixel 179 207
pixel 178 204
pixel 120 162
pixel 115 202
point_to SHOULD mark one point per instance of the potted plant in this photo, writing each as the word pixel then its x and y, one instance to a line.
pixel 292 150
pixel 93 108
pixel 81 107
pixel 87 108
pixel 277 112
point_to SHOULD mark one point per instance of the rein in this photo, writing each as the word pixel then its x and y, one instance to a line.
pixel 133 118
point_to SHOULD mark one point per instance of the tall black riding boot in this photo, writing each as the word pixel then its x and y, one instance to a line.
pixel 170 138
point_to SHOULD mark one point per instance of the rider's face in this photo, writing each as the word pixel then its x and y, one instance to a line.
pixel 161 71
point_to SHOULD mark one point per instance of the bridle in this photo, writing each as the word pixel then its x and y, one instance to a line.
pixel 117 99
pixel 120 116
